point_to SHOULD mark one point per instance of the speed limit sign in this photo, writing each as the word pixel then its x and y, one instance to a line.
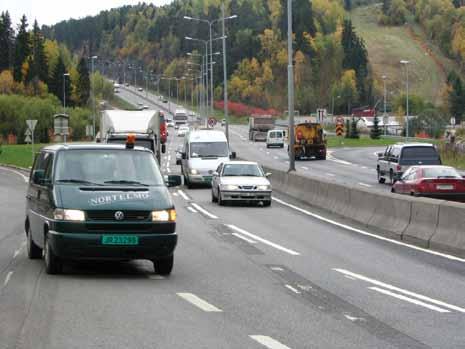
pixel 211 122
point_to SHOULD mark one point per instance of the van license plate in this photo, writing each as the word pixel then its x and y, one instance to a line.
pixel 120 240
pixel 444 187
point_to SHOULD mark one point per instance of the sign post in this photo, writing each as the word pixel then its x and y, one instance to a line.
pixel 320 115
pixel 31 125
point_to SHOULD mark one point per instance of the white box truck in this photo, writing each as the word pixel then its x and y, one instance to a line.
pixel 116 125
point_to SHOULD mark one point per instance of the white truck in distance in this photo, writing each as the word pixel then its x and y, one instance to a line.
pixel 180 117
pixel 116 125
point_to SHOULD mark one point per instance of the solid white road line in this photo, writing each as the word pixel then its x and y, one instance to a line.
pixel 191 209
pixel 304 168
pixel 400 290
pixel 269 342
pixel 363 232
pixel 25 178
pixel 250 241
pixel 365 185
pixel 266 242
pixel 168 170
pixel 410 300
pixel 8 277
pixel 175 194
pixel 199 302
pixel 183 195
pixel 292 289
pixel 331 174
pixel 204 211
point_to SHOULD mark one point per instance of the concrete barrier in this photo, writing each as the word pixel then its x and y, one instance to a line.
pixel 450 232
pixel 423 221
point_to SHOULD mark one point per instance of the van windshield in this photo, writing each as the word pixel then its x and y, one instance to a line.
pixel 209 150
pixel 107 166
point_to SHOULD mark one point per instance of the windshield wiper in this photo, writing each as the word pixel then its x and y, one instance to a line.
pixel 126 182
pixel 80 181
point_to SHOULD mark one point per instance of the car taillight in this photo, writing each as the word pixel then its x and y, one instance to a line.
pixel 424 185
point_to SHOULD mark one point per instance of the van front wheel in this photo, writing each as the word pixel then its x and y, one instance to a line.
pixel 53 264
pixel 33 251
pixel 164 266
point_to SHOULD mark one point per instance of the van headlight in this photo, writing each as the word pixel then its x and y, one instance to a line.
pixel 164 216
pixel 61 214
pixel 194 172
pixel 264 187
pixel 229 187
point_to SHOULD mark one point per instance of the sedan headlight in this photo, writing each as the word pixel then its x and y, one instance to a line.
pixel 164 216
pixel 194 172
pixel 229 187
pixel 264 187
pixel 61 214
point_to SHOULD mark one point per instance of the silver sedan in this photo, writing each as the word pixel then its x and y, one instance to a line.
pixel 241 181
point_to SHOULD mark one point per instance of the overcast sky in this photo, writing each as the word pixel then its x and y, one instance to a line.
pixel 53 11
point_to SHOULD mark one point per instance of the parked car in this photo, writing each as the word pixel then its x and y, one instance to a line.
pixel 441 182
pixel 241 181
pixel 397 158
pixel 140 89
pixel 170 123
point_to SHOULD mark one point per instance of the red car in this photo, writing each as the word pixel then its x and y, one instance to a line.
pixel 440 182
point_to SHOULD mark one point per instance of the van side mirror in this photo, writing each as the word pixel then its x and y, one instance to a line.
pixel 268 174
pixel 178 161
pixel 233 155
pixel 38 176
pixel 173 181
pixel 163 148
pixel 380 155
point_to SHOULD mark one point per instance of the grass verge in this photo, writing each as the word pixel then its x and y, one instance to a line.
pixel 18 155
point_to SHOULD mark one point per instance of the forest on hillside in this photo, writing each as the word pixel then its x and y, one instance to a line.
pixel 331 62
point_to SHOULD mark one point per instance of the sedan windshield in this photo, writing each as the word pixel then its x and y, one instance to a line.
pixel 107 166
pixel 440 172
pixel 247 170
pixel 209 149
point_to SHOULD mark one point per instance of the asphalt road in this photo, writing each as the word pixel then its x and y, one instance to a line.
pixel 352 166
pixel 244 277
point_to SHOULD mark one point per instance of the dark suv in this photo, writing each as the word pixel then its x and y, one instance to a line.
pixel 397 158
pixel 99 201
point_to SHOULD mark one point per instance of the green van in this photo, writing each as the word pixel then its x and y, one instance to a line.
pixel 100 202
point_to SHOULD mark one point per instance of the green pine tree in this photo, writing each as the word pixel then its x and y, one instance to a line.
pixel 22 49
pixel 353 129
pixel 6 41
pixel 83 83
pixel 457 99
pixel 56 81
pixel 39 67
pixel 375 132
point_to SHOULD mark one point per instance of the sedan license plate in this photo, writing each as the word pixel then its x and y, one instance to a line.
pixel 120 240
pixel 445 187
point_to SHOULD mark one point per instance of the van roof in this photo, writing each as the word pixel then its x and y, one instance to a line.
pixel 90 146
pixel 207 136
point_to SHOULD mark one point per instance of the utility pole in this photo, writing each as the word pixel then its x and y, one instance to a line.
pixel 290 87
pixel 384 77
pixel 406 63
pixel 225 76
pixel 93 96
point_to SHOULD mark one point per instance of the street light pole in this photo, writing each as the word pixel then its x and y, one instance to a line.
pixel 225 75
pixel 384 77
pixel 290 87
pixel 406 63
pixel 64 92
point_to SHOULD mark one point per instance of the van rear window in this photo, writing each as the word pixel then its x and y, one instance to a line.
pixel 415 153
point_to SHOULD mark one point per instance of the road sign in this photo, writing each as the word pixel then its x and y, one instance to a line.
pixel 452 121
pixel 31 124
pixel 27 139
pixel 339 128
pixel 211 122
pixel 339 120
pixel 28 132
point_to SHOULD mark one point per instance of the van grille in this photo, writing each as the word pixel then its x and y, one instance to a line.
pixel 101 215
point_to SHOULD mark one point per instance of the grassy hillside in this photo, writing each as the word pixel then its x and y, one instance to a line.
pixel 388 45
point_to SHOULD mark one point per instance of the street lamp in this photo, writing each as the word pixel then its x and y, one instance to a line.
pixel 406 63
pixel 385 119
pixel 210 24
pixel 290 87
